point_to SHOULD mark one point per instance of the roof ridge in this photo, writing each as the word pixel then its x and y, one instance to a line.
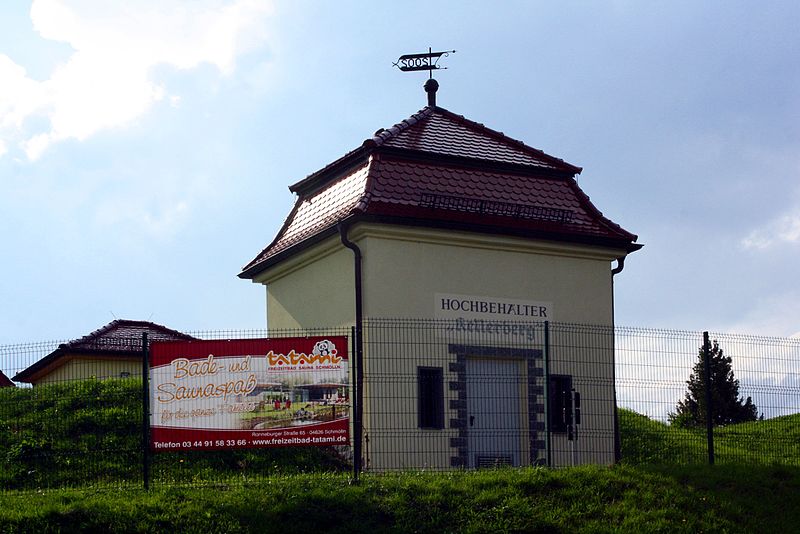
pixel 372 168
pixel 497 134
pixel 281 232
pixel 5 381
pixel 385 134
pixel 117 323
pixel 584 198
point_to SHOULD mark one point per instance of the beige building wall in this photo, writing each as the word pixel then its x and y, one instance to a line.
pixel 586 354
pixel 403 271
pixel 85 367
pixel 421 263
pixel 315 289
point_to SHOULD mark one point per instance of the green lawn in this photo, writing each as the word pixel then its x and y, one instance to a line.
pixel 586 499
pixel 87 436
pixel 647 442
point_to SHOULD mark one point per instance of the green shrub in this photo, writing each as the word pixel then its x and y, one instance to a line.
pixel 88 433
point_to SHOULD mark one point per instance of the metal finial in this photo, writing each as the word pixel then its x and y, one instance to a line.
pixel 431 86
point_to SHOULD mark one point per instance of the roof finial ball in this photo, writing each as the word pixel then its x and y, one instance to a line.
pixel 431 86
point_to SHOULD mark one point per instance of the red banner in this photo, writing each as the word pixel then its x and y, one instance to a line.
pixel 246 393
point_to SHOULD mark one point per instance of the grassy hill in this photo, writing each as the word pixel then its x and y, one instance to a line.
pixel 773 441
pixel 88 433
pixel 586 499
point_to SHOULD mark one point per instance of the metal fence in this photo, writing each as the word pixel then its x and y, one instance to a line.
pixel 436 395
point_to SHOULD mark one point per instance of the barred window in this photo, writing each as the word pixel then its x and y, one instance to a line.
pixel 560 402
pixel 430 397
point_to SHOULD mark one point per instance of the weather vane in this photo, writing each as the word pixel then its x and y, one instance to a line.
pixel 427 61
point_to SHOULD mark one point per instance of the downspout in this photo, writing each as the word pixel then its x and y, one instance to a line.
pixel 617 440
pixel 620 265
pixel 358 422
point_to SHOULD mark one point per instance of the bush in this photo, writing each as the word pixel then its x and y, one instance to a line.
pixel 89 433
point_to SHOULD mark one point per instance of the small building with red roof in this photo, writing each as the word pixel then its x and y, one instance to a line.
pixel 442 218
pixel 451 186
pixel 113 351
pixel 5 382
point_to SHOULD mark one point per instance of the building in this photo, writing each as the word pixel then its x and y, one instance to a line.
pixel 442 218
pixel 113 351
pixel 5 382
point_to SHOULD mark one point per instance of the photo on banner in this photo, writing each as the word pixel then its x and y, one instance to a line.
pixel 249 393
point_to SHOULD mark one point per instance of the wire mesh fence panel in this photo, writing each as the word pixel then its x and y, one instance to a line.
pixel 652 369
pixel 582 395
pixel 758 401
pixel 78 420
pixel 443 395
pixel 437 395
pixel 72 420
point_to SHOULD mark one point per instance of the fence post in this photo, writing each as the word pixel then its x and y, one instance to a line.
pixel 145 412
pixel 548 445
pixel 709 404
pixel 355 399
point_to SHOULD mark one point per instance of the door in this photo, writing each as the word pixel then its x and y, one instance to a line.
pixel 495 410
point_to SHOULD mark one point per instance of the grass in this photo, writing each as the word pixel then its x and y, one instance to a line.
pixel 87 435
pixel 585 499
pixel 648 442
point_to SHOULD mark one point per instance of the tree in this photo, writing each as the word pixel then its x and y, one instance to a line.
pixel 727 406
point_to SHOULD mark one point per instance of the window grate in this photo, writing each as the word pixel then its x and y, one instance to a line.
pixel 494 207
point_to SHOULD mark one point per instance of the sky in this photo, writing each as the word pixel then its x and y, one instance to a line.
pixel 146 147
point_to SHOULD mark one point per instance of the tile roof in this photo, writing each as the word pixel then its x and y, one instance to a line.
pixel 125 335
pixel 438 131
pixel 5 382
pixel 321 210
pixel 492 198
pixel 439 169
pixel 120 337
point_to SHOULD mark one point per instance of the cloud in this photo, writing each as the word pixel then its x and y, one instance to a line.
pixel 159 220
pixel 784 229
pixel 769 315
pixel 108 81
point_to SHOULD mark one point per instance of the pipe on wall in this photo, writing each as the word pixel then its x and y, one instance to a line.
pixel 358 422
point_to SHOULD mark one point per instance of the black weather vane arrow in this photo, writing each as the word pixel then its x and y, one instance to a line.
pixel 426 61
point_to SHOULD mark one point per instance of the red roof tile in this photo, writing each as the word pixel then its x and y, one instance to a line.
pixel 440 169
pixel 322 209
pixel 119 337
pixel 491 198
pixel 440 132
pixel 5 382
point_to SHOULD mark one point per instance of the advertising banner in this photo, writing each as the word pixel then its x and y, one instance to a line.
pixel 249 393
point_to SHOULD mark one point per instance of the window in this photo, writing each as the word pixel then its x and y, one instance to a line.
pixel 430 397
pixel 560 402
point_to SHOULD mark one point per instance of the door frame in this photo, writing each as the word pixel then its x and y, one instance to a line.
pixel 534 362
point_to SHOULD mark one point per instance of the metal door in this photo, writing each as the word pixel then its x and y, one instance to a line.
pixel 495 401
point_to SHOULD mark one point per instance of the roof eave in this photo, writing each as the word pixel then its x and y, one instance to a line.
pixel 622 242
pixel 320 178
pixel 254 270
pixel 30 372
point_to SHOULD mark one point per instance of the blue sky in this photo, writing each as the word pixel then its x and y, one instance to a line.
pixel 146 147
